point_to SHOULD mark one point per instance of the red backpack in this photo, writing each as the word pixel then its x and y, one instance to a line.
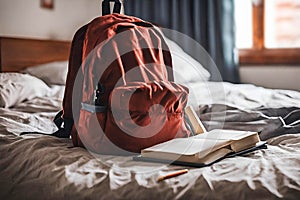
pixel 120 96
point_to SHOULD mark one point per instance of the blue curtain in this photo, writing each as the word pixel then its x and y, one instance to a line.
pixel 209 22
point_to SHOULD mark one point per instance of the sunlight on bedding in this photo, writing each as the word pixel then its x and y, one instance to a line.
pixel 85 175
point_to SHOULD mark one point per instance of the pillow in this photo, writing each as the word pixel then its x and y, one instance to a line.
pixel 186 68
pixel 17 87
pixel 53 73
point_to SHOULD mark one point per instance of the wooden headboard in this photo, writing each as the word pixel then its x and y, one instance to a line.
pixel 19 53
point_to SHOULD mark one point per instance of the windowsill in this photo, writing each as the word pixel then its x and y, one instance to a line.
pixel 269 56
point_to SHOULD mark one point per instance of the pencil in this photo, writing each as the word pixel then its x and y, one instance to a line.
pixel 173 174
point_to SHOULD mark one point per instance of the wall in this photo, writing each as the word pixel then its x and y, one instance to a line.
pixel 281 77
pixel 25 18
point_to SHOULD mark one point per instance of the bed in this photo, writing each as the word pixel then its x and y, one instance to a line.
pixel 38 166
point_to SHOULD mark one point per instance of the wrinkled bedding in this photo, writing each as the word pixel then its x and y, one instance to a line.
pixel 45 167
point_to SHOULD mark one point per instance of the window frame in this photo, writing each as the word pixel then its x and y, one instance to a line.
pixel 259 54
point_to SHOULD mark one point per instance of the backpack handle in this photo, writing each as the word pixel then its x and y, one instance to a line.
pixel 106 7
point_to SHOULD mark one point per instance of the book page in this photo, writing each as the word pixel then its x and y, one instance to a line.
pixel 187 146
pixel 220 134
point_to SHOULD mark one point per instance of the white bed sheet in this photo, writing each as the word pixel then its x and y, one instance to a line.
pixel 244 96
pixel 35 167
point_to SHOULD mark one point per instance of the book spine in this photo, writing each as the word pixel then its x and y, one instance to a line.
pixel 194 120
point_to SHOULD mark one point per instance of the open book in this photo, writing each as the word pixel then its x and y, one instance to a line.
pixel 202 149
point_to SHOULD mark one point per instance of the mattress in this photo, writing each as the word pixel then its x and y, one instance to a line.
pixel 40 166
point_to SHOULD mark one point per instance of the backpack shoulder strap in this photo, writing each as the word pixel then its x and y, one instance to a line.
pixel 64 125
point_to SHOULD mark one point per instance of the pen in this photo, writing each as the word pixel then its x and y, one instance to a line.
pixel 173 174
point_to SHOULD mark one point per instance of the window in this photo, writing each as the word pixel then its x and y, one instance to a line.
pixel 268 31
